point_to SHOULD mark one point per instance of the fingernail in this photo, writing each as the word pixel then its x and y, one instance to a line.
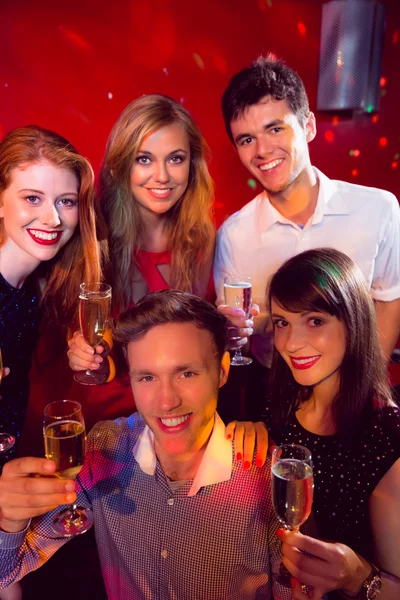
pixel 239 456
pixel 280 533
pixel 70 498
pixel 229 436
pixel 293 582
pixel 48 465
pixel 246 465
pixel 259 462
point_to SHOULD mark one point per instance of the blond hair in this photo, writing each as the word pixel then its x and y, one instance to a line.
pixel 190 227
pixel 79 259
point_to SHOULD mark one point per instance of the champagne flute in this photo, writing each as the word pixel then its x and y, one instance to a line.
pixel 237 292
pixel 7 440
pixel 65 443
pixel 292 493
pixel 94 317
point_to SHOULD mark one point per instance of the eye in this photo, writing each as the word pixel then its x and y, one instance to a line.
pixel 67 202
pixel 143 160
pixel 176 160
pixel 280 323
pixel 277 129
pixel 146 378
pixel 245 141
pixel 316 322
pixel 188 374
pixel 32 199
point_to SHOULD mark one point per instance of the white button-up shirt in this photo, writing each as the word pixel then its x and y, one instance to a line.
pixel 362 222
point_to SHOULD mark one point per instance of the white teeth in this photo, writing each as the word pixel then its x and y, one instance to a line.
pixel 271 165
pixel 44 236
pixel 174 421
pixel 160 192
pixel 304 361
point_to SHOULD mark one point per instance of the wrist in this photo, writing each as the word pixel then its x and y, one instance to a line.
pixel 352 588
pixel 8 526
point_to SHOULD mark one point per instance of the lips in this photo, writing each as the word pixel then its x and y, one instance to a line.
pixel 174 424
pixel 304 362
pixel 271 166
pixel 161 193
pixel 45 238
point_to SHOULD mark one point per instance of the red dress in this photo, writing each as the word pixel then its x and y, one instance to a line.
pixel 52 379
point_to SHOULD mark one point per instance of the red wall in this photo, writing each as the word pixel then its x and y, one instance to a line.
pixel 73 65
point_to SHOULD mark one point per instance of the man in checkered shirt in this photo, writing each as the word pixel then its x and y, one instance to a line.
pixel 175 516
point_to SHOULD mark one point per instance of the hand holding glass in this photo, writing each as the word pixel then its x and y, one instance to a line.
pixel 94 317
pixel 237 292
pixel 65 443
pixel 292 493
pixel 7 440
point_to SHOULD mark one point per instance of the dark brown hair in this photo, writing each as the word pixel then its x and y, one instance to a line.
pixel 329 281
pixel 172 306
pixel 266 76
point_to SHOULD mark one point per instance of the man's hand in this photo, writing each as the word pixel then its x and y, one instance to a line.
pixel 331 566
pixel 28 490
pixel 246 434
pixel 240 328
pixel 83 357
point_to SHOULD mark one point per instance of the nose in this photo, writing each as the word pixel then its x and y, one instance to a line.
pixel 169 398
pixel 161 174
pixel 49 216
pixel 295 339
pixel 263 147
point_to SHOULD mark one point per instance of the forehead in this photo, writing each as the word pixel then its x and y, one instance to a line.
pixel 164 347
pixel 266 110
pixel 165 139
pixel 34 175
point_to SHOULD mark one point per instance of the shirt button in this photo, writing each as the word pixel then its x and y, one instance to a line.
pixel 164 554
pixel 170 501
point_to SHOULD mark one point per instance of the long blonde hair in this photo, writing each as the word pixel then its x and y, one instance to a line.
pixel 79 259
pixel 190 227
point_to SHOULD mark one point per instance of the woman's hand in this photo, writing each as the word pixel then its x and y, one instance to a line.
pixel 245 435
pixel 6 372
pixel 240 328
pixel 332 566
pixel 81 356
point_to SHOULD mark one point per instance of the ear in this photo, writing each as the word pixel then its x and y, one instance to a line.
pixel 225 366
pixel 311 127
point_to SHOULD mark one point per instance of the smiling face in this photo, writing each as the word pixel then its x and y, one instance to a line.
pixel 160 173
pixel 40 212
pixel 272 144
pixel 175 376
pixel 313 345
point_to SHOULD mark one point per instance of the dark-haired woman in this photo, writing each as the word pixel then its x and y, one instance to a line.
pixel 329 392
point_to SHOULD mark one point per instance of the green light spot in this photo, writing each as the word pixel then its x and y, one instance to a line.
pixel 251 183
pixel 269 3
pixel 351 152
pixel 396 156
pixel 369 108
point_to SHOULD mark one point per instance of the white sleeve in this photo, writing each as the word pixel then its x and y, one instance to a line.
pixel 386 278
pixel 224 264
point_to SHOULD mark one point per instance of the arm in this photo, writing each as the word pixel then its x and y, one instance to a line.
pixel 388 321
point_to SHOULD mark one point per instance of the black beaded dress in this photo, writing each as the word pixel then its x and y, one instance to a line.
pixel 19 317
pixel 346 473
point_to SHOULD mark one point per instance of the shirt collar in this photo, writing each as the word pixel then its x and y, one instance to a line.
pixel 215 466
pixel 329 202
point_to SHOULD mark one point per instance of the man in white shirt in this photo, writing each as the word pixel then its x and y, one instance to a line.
pixel 267 118
pixel 175 515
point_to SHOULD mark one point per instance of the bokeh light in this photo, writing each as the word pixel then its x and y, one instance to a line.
pixel 252 184
pixel 354 173
pixel 301 28
pixel 383 142
pixel 329 136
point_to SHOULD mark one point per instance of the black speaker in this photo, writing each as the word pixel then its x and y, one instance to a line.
pixel 351 55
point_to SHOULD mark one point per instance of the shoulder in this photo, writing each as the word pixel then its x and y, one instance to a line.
pixel 354 195
pixel 249 213
pixel 113 434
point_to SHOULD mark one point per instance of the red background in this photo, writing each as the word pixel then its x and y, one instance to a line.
pixel 73 65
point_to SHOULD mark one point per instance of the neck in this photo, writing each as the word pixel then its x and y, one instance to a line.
pixel 16 266
pixel 184 465
pixel 316 413
pixel 298 201
pixel 153 236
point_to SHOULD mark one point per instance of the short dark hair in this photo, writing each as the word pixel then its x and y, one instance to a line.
pixel 172 306
pixel 327 280
pixel 266 76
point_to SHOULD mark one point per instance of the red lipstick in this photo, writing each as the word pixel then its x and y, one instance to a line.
pixel 304 362
pixel 43 242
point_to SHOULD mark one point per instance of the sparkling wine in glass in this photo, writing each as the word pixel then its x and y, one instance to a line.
pixel 7 440
pixel 292 493
pixel 65 443
pixel 237 292
pixel 94 317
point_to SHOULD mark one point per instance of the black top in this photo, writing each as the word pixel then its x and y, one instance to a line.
pixel 19 316
pixel 345 475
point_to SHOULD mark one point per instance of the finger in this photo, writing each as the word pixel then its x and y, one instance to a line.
pixel 230 430
pixel 28 466
pixel 231 312
pixel 262 443
pixel 308 564
pixel 297 590
pixel 272 446
pixel 25 503
pixel 79 364
pixel 254 310
pixel 318 548
pixel 236 343
pixel 77 342
pixel 6 371
pixel 40 485
pixel 24 514
pixel 238 440
pixel 241 332
pixel 249 444
pixel 305 578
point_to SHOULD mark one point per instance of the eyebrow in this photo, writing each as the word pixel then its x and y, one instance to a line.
pixel 43 194
pixel 303 313
pixel 269 125
pixel 169 154
pixel 177 369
